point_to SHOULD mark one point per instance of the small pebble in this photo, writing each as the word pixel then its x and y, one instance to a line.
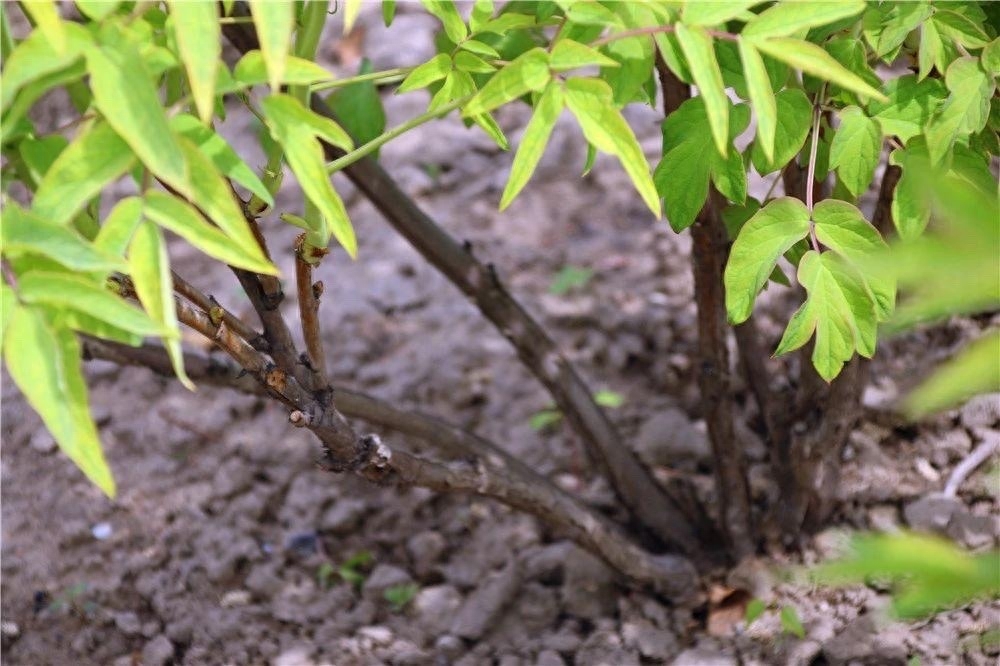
pixel 102 531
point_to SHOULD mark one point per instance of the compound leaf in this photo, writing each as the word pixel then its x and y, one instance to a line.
pixel 536 135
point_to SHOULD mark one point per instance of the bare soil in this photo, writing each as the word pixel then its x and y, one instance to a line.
pixel 225 542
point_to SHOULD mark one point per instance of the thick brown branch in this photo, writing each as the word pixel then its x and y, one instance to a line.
pixel 752 355
pixel 709 250
pixel 882 217
pixel 485 469
pixel 308 294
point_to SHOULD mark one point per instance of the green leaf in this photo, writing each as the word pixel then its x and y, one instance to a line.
pixel 990 57
pixel 359 107
pixel 274 21
pixel 762 240
pixel 44 362
pixel 790 622
pixel 297 129
pixel 36 57
pixel 544 419
pixel 536 135
pixel 24 232
pixel 910 104
pixel 125 96
pixel 610 399
pixel 886 26
pixel 789 18
pixel 149 267
pixel 45 15
pixel 973 372
pixel 527 72
pixel 400 595
pixel 473 64
pixel 117 229
pixel 199 44
pixel 842 228
pixel 932 51
pixel 433 70
pixel 590 12
pixel 762 97
pixel 690 162
pixel 221 153
pixel 697 47
pixel 567 55
pixel 94 160
pixel 388 11
pixel 959 28
pixel 212 194
pixel 714 13
pixel 184 220
pixel 839 310
pixel 910 202
pixel 482 12
pixel 13 123
pixel 66 290
pixel 590 101
pixel 855 150
pixel 965 111
pixel 754 610
pixel 569 278
pixel 794 119
pixel 351 10
pixel 39 154
pixel 813 60
pixel 445 11
pixel 251 70
pixel 479 48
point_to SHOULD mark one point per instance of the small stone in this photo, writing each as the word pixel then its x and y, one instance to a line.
pixel 669 437
pixel 972 530
pixel 855 643
pixel 128 623
pixel 589 590
pixel 157 652
pixel 983 411
pixel 880 395
pixel 651 642
pixel 263 581
pixel 102 531
pixel 703 657
pixel 425 548
pixel 486 602
pixel 377 634
pixel 232 477
pixel 832 542
pixel 435 607
pixel 42 441
pixel 299 655
pixel 235 599
pixel 549 658
pixel 884 518
pixel 931 512
pixel 926 470
pixel 303 544
pixel 382 578
pixel 449 647
pixel 9 629
pixel 343 516
pixel 605 647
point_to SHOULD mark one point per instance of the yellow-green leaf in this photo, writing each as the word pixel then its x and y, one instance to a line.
pixel 761 97
pixel 592 103
pixel 856 149
pixel 252 69
pixel 433 70
pixel 699 12
pixel 536 135
pixel 70 291
pixel 184 220
pixel 697 46
pixel 44 362
pixel 126 97
pixel 94 160
pixel 529 71
pixel 447 13
pixel 45 14
pixel 788 18
pixel 568 54
pixel 351 9
pixel 812 59
pixel 199 44
pixel 118 227
pixel 36 57
pixel 771 232
pixel 25 233
pixel 149 267
pixel 274 21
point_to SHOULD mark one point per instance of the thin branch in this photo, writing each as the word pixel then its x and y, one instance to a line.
pixel 385 76
pixel 308 292
pixel 485 470
pixel 811 168
pixel 385 137
pixel 211 307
